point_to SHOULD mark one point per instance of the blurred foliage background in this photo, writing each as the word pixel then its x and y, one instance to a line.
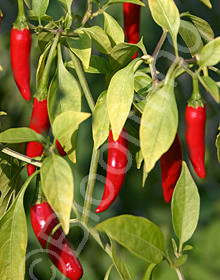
pixel 204 260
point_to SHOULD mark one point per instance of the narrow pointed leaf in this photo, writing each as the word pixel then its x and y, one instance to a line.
pixel 166 15
pixel 13 241
pixel 82 48
pixel 191 37
pixel 100 121
pixel 119 97
pixel 158 125
pixel 211 86
pixel 68 122
pixel 185 206
pixel 210 54
pixel 113 30
pixel 20 135
pixel 100 39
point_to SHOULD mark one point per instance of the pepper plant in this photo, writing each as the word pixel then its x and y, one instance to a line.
pixel 136 112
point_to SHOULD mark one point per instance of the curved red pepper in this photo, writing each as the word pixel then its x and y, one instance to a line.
pixel 132 23
pixel 195 120
pixel 60 149
pixel 41 124
pixel 116 169
pixel 43 221
pixel 20 47
pixel 171 164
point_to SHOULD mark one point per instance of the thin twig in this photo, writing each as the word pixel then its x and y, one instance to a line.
pixel 19 156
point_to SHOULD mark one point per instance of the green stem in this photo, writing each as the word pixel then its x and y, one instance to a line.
pixel 82 80
pixel 90 187
pixel 96 236
pixel 88 12
pixel 21 20
pixel 41 92
pixel 19 156
pixel 159 44
pixel 179 273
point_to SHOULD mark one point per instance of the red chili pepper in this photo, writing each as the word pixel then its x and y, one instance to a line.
pixel 171 164
pixel 60 149
pixel 43 221
pixel 132 23
pixel 20 48
pixel 116 169
pixel 195 119
pixel 41 124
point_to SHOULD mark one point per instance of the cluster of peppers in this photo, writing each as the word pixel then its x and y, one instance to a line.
pixel 42 217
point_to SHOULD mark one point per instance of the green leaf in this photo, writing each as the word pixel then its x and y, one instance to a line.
pixel 158 124
pixel 111 2
pixel 68 122
pixel 121 55
pixel 207 3
pixel 210 54
pixel 149 271
pixel 9 181
pixel 185 206
pixel 211 86
pixel 100 121
pixel 40 7
pixel 119 97
pixel 81 47
pixel 139 235
pixel 57 185
pixel 100 38
pixel 191 37
pixel 70 96
pixel 120 262
pixel 203 26
pixel 20 135
pixel 40 67
pixel 113 30
pixel 65 129
pixel 166 15
pixel 217 144
pixel 98 65
pixel 13 241
pixel 67 4
pixel 142 83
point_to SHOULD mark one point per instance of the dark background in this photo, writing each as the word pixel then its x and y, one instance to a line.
pixel 204 260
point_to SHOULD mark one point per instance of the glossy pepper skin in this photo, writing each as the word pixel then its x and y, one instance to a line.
pixel 171 164
pixel 116 169
pixel 20 47
pixel 43 221
pixel 40 123
pixel 195 120
pixel 132 23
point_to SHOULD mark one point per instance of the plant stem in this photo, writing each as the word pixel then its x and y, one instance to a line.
pixel 159 44
pixel 88 12
pixel 96 236
pixel 83 81
pixel 179 273
pixel 19 156
pixel 41 93
pixel 90 186
pixel 154 56
pixel 95 154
